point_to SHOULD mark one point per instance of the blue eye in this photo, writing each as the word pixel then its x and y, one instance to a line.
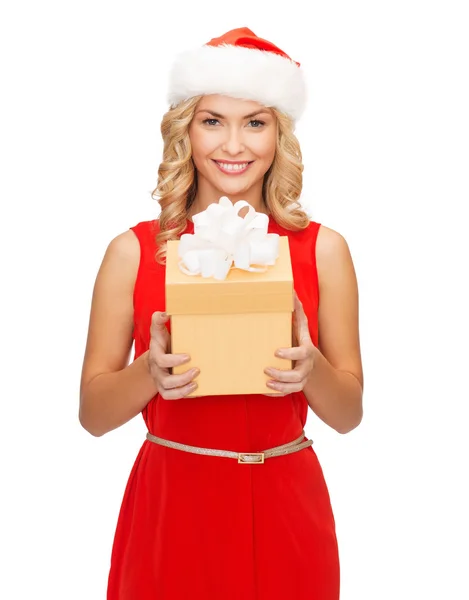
pixel 257 121
pixel 208 121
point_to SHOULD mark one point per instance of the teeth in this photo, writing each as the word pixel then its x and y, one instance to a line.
pixel 230 167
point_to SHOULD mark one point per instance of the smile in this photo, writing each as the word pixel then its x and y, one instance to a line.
pixel 232 168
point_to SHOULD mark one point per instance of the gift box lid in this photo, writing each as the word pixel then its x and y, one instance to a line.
pixel 241 291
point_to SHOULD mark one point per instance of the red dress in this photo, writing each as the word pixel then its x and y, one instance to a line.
pixel 199 527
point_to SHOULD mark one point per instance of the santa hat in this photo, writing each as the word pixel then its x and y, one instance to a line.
pixel 241 65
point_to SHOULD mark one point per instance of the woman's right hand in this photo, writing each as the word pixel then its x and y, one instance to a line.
pixel 170 387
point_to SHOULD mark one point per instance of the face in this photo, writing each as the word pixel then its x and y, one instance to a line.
pixel 233 145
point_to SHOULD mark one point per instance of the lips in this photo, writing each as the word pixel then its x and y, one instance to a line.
pixel 233 168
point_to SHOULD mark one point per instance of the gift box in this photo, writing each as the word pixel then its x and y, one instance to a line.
pixel 231 327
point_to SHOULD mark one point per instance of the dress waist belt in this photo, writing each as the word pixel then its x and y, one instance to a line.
pixel 243 457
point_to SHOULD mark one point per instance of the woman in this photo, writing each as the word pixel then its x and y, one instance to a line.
pixel 194 525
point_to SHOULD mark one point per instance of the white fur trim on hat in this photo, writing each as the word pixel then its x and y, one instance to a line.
pixel 247 73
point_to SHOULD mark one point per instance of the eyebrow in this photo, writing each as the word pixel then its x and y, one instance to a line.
pixel 219 116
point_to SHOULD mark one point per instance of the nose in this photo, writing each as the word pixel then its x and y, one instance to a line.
pixel 233 144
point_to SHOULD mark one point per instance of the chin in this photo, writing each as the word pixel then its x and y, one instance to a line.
pixel 234 195
pixel 235 189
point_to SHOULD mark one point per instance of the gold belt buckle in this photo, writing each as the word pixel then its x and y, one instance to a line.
pixel 260 455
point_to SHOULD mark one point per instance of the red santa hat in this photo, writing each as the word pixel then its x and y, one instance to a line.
pixel 241 65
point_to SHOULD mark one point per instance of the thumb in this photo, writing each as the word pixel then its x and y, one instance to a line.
pixel 159 320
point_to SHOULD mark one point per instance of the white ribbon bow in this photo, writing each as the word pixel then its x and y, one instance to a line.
pixel 221 237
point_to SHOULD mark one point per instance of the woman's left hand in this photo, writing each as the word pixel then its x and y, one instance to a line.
pixel 294 380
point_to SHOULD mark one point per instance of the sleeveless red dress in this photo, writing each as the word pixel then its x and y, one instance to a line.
pixel 200 527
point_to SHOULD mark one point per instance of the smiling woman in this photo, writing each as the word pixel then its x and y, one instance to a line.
pixel 193 522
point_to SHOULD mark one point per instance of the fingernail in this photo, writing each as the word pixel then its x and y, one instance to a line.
pixel 279 353
pixel 195 372
pixel 164 315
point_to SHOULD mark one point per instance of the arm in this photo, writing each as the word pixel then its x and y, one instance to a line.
pixel 334 387
pixel 331 375
pixel 112 393
pixel 334 395
pixel 112 399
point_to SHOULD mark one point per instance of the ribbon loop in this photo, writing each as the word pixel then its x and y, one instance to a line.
pixel 223 240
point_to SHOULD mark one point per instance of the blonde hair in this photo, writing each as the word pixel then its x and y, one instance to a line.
pixel 177 177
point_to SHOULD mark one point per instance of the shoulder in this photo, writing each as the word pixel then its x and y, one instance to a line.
pixel 121 259
pixel 333 257
pixel 126 246
pixel 329 242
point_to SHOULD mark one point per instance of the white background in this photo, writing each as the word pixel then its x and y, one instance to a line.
pixel 385 145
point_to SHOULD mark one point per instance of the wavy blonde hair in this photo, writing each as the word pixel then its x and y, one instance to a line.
pixel 177 177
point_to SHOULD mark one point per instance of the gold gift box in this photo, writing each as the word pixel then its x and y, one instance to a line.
pixel 231 328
